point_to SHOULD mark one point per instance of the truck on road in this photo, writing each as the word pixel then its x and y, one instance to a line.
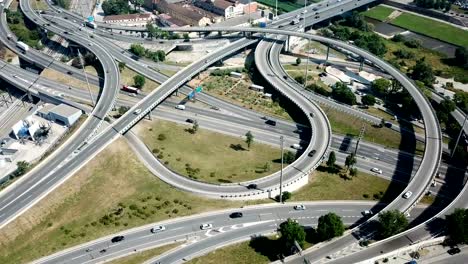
pixel 23 46
pixel 91 24
pixel 130 89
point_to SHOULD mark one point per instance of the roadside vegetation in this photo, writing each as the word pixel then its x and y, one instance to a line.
pixel 234 90
pixel 129 77
pixel 379 12
pixel 140 51
pixel 208 156
pixel 39 5
pixel 143 256
pixel 24 30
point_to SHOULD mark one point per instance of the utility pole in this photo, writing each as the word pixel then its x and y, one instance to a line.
pixel 361 134
pixel 281 172
pixel 459 135
pixel 86 77
pixel 308 45
pixel 250 11
pixel 276 10
pixel 328 53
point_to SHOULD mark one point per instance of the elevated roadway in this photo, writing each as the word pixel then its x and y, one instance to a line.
pixel 25 192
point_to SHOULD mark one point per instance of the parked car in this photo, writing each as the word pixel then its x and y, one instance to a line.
pixel 407 194
pixel 453 251
pixel 117 239
pixel 158 229
pixel 206 226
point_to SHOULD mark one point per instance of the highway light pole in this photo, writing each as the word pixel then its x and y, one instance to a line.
pixel 281 171
pixel 308 45
pixel 276 9
pixel 86 77
pixel 459 135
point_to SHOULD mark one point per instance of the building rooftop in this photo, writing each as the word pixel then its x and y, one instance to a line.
pixel 127 17
pixel 64 110
pixel 46 109
pixel 223 4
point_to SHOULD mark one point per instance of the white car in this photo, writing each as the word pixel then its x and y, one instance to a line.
pixel 138 111
pixel 296 146
pixel 376 170
pixel 367 213
pixel 158 229
pixel 206 226
pixel 299 207
pixel 407 194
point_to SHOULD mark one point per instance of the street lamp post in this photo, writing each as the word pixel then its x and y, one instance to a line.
pixel 281 171
pixel 459 135
pixel 308 44
pixel 276 9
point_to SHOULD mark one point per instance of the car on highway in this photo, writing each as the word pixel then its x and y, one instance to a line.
pixel 297 131
pixel 137 112
pixel 206 226
pixel 376 170
pixel 69 72
pixel 117 239
pixel 236 215
pixel 189 120
pixel 158 229
pixel 312 153
pixel 270 122
pixel 299 207
pixel 367 213
pixel 311 115
pixel 453 251
pixel 296 146
pixel 407 194
pixel 252 186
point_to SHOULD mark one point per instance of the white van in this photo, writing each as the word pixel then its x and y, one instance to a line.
pixel 180 107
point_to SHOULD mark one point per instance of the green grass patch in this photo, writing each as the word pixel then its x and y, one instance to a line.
pixel 436 29
pixel 380 13
pixel 218 158
pixel 285 6
pixel 143 256
pixel 327 186
pixel 124 194
pixel 39 5
pixel 236 254
pixel 126 77
pixel 237 91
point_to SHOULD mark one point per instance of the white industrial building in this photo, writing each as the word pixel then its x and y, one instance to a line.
pixel 25 128
pixel 61 114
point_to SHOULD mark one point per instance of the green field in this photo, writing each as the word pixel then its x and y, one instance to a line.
pixel 379 12
pixel 285 6
pixel 432 28
pixel 220 158
pixel 143 256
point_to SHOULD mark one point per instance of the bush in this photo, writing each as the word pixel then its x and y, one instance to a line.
pixel 161 137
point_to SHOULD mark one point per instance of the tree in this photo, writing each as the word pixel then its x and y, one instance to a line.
pixel 291 231
pixel 329 226
pixel 457 226
pixel 350 161
pixel 286 196
pixel 298 61
pixel 138 3
pixel 139 81
pixel 381 86
pixel 249 138
pixel 331 159
pixel 115 7
pixel 186 37
pixel 300 79
pixel 122 66
pixel 195 127
pixel 22 168
pixel 289 157
pixel 342 93
pixel 391 223
pixel 353 172
pixel 461 99
pixel 153 32
pixel 123 109
pixel 423 72
pixel 137 49
pixel 461 57
pixel 368 99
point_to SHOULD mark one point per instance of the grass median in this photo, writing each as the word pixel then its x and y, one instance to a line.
pixel 124 194
pixel 380 13
pixel 208 156
pixel 143 256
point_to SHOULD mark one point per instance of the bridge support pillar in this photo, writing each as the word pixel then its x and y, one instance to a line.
pixel 361 65
pixel 149 115
pixel 328 53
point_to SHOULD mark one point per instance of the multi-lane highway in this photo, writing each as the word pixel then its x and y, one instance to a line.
pixel 255 220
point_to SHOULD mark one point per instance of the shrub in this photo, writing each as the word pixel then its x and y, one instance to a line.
pixel 161 137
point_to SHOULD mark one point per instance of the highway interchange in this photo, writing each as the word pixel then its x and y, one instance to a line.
pixel 429 164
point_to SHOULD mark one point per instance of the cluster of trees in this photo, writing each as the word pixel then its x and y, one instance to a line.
pixel 423 72
pixel 156 32
pixel 140 51
pixel 329 226
pixel 457 226
pixel 341 92
pixel 22 168
pixel 366 40
pixel 88 59
pixel 318 89
pixel 356 20
pixel 391 223
pixel 461 57
pixel 461 100
pixel 115 7
pixel 395 96
pixel 63 3
pixel 25 30
pixel 436 4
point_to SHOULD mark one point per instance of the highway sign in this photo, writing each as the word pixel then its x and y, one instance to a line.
pixel 191 95
pixel 198 89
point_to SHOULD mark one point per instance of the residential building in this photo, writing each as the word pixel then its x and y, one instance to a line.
pixel 186 13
